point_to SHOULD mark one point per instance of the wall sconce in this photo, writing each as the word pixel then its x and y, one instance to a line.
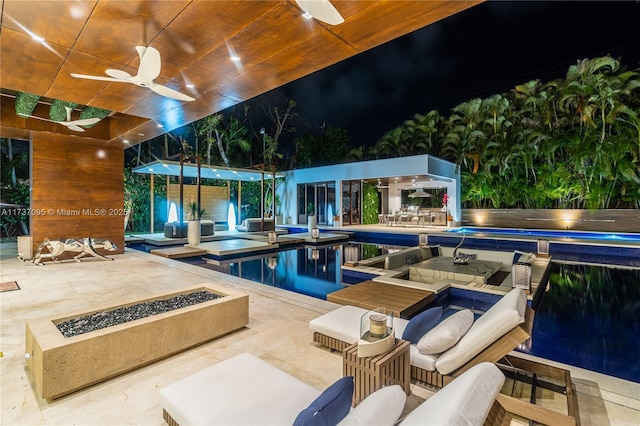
pixel 351 255
pixel 272 237
pixel 543 248
pixel 423 239
pixel 315 233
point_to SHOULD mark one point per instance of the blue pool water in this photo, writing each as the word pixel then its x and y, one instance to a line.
pixel 536 233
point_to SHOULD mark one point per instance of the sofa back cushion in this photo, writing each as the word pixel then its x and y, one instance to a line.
pixel 446 334
pixel 465 401
pixel 506 314
pixel 410 256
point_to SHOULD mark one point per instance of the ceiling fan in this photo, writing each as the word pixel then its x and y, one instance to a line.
pixel 150 64
pixel 71 125
pixel 322 10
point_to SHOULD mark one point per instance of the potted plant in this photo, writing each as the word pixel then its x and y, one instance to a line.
pixel 193 226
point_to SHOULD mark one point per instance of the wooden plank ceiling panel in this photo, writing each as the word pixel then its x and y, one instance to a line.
pixel 59 22
pixel 213 22
pixel 371 27
pixel 299 60
pixel 116 27
pixel 85 91
pixel 26 64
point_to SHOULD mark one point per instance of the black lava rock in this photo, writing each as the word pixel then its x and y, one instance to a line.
pixel 106 319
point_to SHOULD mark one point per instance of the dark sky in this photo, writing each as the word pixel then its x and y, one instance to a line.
pixel 487 49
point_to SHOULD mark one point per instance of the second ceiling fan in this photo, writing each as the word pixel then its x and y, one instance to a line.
pixel 149 69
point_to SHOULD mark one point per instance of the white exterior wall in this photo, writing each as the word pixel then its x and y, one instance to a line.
pixel 366 170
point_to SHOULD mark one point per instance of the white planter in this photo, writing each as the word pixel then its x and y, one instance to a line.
pixel 311 223
pixel 193 232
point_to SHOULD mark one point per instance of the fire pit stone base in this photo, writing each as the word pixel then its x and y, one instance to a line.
pixel 60 365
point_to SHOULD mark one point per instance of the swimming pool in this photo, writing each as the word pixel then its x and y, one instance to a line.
pixel 575 246
pixel 311 270
pixel 605 237
pixel 590 317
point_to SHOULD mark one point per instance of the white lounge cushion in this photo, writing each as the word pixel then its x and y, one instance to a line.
pixel 506 314
pixel 381 408
pixel 344 324
pixel 465 401
pixel 243 390
pixel 426 362
pixel 446 334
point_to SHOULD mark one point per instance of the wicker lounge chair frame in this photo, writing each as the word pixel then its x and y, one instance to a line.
pixel 506 408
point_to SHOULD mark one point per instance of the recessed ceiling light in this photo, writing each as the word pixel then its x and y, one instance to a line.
pixel 235 58
pixel 37 38
pixel 160 125
pixel 190 86
pixel 307 15
pixel 140 134
pixel 125 141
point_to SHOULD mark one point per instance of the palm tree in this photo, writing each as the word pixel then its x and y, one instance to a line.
pixel 225 134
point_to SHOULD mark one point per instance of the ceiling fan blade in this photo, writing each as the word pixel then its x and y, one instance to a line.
pixel 118 74
pixel 85 121
pixel 322 10
pixel 40 118
pixel 94 77
pixel 72 126
pixel 150 63
pixel 170 93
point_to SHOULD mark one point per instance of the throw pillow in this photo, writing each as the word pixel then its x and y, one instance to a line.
pixel 381 408
pixel 330 407
pixel 446 334
pixel 421 323
pixel 520 257
pixel 435 250
pixel 411 259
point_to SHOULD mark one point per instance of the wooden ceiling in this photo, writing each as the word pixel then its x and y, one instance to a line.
pixel 196 39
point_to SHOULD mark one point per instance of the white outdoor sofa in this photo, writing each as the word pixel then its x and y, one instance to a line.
pixel 496 333
pixel 245 390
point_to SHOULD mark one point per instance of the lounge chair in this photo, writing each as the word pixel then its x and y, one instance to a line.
pixel 255 224
pixel 496 333
pixel 247 390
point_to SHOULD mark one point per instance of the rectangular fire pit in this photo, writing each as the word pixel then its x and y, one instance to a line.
pixel 60 365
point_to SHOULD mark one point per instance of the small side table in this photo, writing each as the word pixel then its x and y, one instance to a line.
pixel 372 373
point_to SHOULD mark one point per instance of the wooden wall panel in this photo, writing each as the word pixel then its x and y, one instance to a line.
pixel 77 190
pixel 214 199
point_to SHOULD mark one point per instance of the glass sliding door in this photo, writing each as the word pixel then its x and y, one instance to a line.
pixel 351 203
pixel 316 199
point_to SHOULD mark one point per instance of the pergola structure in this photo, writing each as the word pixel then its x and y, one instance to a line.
pixel 206 171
